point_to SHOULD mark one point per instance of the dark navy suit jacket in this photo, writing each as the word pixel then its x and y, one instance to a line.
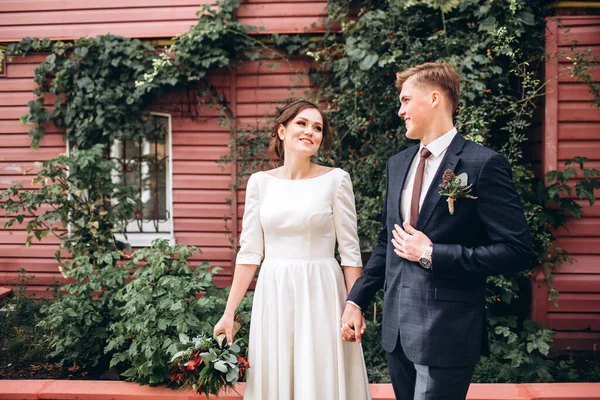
pixel 439 313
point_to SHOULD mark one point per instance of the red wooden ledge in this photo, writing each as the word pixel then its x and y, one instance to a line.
pixel 109 390
pixel 4 292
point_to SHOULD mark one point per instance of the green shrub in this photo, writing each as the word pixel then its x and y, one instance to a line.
pixel 20 340
pixel 165 300
pixel 520 354
pixel 77 322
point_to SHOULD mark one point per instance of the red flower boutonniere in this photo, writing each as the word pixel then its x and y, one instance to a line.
pixel 454 187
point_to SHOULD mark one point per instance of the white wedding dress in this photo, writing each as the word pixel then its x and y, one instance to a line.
pixel 296 350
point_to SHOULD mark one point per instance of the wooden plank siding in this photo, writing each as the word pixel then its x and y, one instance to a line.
pixel 572 128
pixel 69 19
pixel 201 186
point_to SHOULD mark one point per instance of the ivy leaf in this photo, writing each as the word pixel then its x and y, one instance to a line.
pixel 488 24
pixel 527 18
pixel 183 338
pixel 368 62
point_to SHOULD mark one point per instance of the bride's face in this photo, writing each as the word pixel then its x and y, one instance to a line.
pixel 303 134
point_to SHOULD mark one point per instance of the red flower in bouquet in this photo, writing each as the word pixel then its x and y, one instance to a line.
pixel 193 363
pixel 176 376
pixel 243 365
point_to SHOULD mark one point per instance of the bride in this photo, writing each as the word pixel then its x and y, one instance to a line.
pixel 294 215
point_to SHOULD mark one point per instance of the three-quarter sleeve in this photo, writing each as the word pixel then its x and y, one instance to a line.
pixel 251 239
pixel 344 221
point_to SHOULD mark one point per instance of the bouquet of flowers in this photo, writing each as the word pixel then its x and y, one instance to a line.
pixel 208 364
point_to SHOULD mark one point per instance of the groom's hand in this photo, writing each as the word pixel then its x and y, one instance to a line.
pixel 353 324
pixel 409 243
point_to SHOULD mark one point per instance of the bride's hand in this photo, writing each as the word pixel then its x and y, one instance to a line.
pixel 225 325
pixel 353 324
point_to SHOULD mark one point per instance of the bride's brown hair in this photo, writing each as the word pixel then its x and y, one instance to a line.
pixel 288 113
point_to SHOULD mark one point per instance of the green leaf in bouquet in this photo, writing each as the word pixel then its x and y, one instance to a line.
pixel 231 358
pixel 200 343
pixel 177 355
pixel 220 366
pixel 232 376
pixel 208 357
pixel 235 348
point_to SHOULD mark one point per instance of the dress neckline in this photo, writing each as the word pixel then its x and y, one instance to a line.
pixel 303 179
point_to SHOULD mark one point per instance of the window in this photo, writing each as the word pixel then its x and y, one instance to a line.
pixel 3 65
pixel 146 163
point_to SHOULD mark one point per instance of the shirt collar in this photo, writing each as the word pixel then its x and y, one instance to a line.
pixel 440 144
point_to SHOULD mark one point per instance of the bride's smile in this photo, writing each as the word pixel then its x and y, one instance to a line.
pixel 303 135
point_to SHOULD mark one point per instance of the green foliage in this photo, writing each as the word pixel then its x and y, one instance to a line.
pixel 520 355
pixel 20 340
pixel 158 306
pixel 78 194
pixel 216 42
pixel 94 82
pixel 76 324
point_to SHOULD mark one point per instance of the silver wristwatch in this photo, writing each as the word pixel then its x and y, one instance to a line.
pixel 425 259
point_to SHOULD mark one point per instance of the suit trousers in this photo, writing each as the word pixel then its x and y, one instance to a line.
pixel 421 382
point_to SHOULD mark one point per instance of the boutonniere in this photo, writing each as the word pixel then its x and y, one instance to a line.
pixel 455 187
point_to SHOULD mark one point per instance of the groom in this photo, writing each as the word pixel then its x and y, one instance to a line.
pixel 431 261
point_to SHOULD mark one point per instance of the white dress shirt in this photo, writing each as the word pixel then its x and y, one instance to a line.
pixel 437 148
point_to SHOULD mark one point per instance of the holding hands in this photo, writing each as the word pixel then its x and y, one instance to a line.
pixel 409 243
pixel 353 324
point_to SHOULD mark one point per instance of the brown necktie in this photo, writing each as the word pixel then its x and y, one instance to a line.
pixel 416 192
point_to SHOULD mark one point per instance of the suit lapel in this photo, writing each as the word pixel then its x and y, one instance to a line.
pixel 433 196
pixel 403 168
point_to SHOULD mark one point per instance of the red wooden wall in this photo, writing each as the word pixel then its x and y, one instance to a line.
pixel 69 19
pixel 572 128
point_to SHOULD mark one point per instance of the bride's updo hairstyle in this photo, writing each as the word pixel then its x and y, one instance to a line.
pixel 287 114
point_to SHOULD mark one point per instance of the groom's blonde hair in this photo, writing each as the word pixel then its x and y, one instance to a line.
pixel 440 75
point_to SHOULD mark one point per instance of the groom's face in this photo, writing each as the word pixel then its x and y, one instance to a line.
pixel 415 108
